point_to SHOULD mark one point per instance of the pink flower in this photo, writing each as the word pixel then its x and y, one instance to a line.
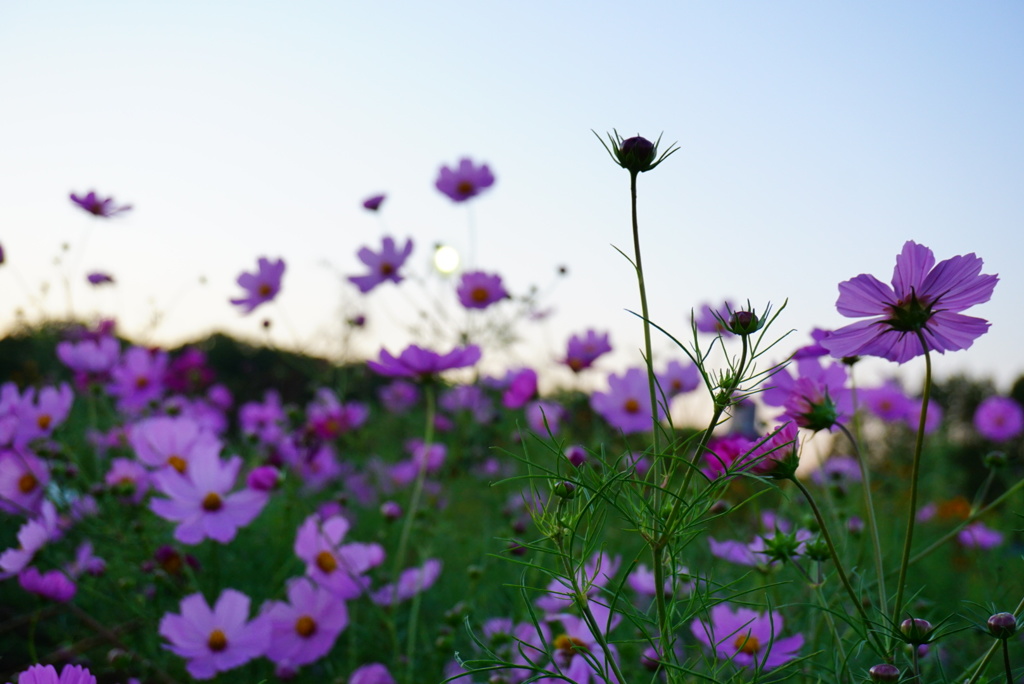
pixel 328 418
pixel 96 206
pixel 23 478
pixel 90 358
pixel 53 585
pixel 478 290
pixel 816 397
pixel 627 404
pixel 215 640
pixel 465 181
pixel 723 453
pixel 399 396
pixel 521 388
pixel 925 299
pixel 978 536
pixel 715 321
pixel 304 629
pixel 578 655
pixel 138 379
pixel 999 419
pixel 371 673
pixel 32 536
pixel 544 417
pixel 384 265
pixel 889 402
pixel 200 503
pixel 165 441
pixel 47 674
pixel 340 568
pixel 583 351
pixel 416 362
pixel 747 638
pixel 678 378
pixel 262 286
pixel 411 582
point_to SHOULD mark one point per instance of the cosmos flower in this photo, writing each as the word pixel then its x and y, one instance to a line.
pixel 465 181
pixel 215 640
pixel 417 362
pixel 999 419
pixel 522 387
pixel 816 397
pixel 888 401
pixel 714 321
pixel 410 582
pixel 627 404
pixel 478 290
pixel 979 536
pixel 582 351
pixel 53 584
pixel 304 629
pixel 371 673
pixel 138 378
pixel 925 299
pixel 99 278
pixel 746 637
pixel 340 568
pixel 47 674
pixel 384 265
pixel 104 208
pixel 678 378
pixel 262 286
pixel 23 480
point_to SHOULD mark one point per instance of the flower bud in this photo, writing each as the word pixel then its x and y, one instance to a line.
pixel 576 454
pixel 391 510
pixel 636 154
pixel 817 550
pixel 1002 625
pixel 884 672
pixel 566 490
pixel 744 323
pixel 996 459
pixel 916 631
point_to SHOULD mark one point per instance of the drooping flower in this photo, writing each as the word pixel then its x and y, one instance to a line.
pixel 102 207
pixel 262 286
pixel 627 404
pixel 583 351
pixel 464 181
pixel 304 629
pixel 999 419
pixel 924 299
pixel 478 290
pixel 215 640
pixel 416 362
pixel 384 265
pixel 746 637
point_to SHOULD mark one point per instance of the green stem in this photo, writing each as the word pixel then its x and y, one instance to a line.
pixel 992 649
pixel 1006 662
pixel 915 471
pixel 869 511
pixel 651 380
pixel 835 556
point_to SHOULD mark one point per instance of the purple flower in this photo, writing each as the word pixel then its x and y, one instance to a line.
pixel 99 278
pixel 627 404
pixel 32 536
pixel 838 471
pixel 47 674
pixel 932 421
pixel 723 452
pixel 399 396
pixel 578 655
pixel 23 479
pixel 411 582
pixel 747 638
pixel 999 419
pixel 814 349
pixel 172 442
pixel 371 673
pixel 215 640
pixel 925 299
pixel 712 321
pixel 978 536
pixel 53 585
pixel 416 362
pixel 889 402
pixel 262 286
pixel 304 629
pixel 544 417
pixel 478 290
pixel 335 566
pixel 90 358
pixel 373 203
pixel 817 398
pixel 465 181
pixel 92 203
pixel 679 377
pixel 583 351
pixel 521 388
pixel 138 378
pixel 384 265
pixel 200 503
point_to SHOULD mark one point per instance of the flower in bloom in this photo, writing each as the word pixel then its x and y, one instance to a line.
pixel 978 536
pixel 478 290
pixel 723 452
pixel 304 629
pixel 373 203
pixel 89 359
pixel 816 398
pixel 47 674
pixel 172 441
pixel 465 181
pixel 678 378
pixel 200 502
pixel 53 584
pixel 714 321
pixel 583 351
pixel 925 300
pixel 889 402
pixel 545 417
pixel 384 265
pixel 627 404
pixel 215 640
pixel 371 673
pixel 23 479
pixel 416 362
pixel 746 637
pixel 328 418
pixel 411 582
pixel 577 652
pixel 522 387
pixel 932 421
pixel 32 536
pixel 103 207
pixel 999 419
pixel 814 349
pixel 594 575
pixel 399 396
pixel 138 378
pixel 335 566
pixel 262 286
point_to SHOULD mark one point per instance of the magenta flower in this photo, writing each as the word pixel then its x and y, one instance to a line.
pixel 723 453
pixel 522 387
pixel 889 402
pixel 999 419
pixel 340 568
pixel 747 638
pixel 627 404
pixel 416 362
pixel 545 417
pixel 816 397
pixel 200 503
pixel 583 351
pixel 925 299
pixel 478 290
pixel 53 584
pixel 215 640
pixel 715 321
pixel 262 286
pixel 138 378
pixel 465 181
pixel 99 278
pixel 678 378
pixel 978 536
pixel 578 655
pixel 47 674
pixel 90 357
pixel 412 581
pixel 304 629
pixel 399 396
pixel 32 536
pixel 96 206
pixel 373 203
pixel 23 480
pixel 371 673
pixel 384 265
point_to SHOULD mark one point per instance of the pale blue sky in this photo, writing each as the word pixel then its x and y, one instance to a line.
pixel 816 137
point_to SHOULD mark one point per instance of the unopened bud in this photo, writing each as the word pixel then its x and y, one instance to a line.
pixel 884 672
pixel 916 631
pixel 1002 625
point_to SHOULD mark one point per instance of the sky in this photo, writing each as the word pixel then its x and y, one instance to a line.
pixel 814 140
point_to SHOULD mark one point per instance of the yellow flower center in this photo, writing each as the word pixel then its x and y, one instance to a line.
pixel 305 626
pixel 464 187
pixel 27 483
pixel 479 295
pixel 218 641
pixel 263 290
pixel 748 644
pixel 178 463
pixel 631 406
pixel 44 421
pixel 326 561
pixel 569 644
pixel 212 502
